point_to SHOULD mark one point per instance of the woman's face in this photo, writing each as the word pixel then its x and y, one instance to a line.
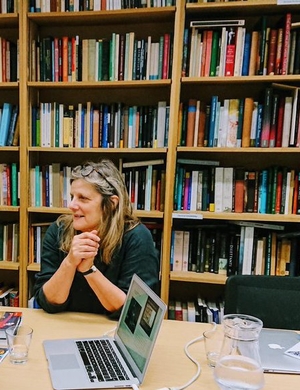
pixel 85 206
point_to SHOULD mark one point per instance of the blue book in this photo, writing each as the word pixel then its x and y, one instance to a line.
pixel 4 124
pixel 263 192
pixel 246 55
pixel 105 127
pixel 212 120
pixel 37 186
pixel 180 188
pixel 259 125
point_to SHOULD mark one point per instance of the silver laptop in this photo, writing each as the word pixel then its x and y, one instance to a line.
pixel 71 361
pixel 272 345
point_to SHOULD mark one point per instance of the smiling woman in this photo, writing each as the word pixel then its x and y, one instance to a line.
pixel 90 256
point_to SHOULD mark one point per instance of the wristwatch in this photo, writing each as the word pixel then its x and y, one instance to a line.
pixel 89 271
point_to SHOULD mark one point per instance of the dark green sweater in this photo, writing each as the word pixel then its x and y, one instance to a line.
pixel 136 255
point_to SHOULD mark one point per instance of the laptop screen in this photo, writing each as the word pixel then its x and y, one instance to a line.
pixel 139 325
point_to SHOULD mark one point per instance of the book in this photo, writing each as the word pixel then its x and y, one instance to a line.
pixel 230 52
pixel 190 161
pixel 217 23
pixel 7 319
pixel 5 121
pixel 143 163
pixel 266 125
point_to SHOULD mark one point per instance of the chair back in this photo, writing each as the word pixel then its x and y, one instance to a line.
pixel 273 299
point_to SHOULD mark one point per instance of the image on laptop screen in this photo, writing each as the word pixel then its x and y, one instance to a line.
pixel 139 325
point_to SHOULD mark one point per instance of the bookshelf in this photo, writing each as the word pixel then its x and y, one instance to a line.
pixel 155 21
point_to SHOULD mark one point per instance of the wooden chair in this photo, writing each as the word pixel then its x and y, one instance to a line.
pixel 273 299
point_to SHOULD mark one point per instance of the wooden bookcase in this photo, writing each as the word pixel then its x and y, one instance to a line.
pixel 28 26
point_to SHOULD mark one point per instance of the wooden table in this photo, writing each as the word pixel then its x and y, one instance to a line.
pixel 169 366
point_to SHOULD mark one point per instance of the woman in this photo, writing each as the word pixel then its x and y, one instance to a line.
pixel 90 256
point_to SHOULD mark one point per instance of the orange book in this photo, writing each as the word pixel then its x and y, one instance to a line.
pixel 65 58
pixel 95 130
pixel 203 54
pixel 248 110
pixel 278 192
pixel 201 126
pixel 191 116
pixel 253 53
pixel 239 190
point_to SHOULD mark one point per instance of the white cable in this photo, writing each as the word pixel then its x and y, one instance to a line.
pixel 109 331
pixel 193 360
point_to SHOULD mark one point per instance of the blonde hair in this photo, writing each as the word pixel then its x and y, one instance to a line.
pixel 115 219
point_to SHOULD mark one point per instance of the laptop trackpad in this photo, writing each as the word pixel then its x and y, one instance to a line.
pixel 64 362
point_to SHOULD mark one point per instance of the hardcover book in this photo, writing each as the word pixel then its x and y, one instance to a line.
pixel 8 319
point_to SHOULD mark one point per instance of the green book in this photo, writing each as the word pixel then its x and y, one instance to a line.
pixel 214 53
pixel 14 184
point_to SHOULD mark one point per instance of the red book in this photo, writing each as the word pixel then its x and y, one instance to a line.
pixel 203 55
pixel 285 44
pixel 73 59
pixel 230 52
pixel 8 182
pixel 295 195
pixel 3 50
pixel 239 189
pixel 280 121
pixel 56 59
pixel 272 52
pixel 166 56
pixel 191 116
pixel 208 49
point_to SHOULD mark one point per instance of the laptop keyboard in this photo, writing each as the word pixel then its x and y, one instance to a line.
pixel 101 361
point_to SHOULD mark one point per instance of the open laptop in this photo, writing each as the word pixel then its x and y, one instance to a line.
pixel 272 345
pixel 132 344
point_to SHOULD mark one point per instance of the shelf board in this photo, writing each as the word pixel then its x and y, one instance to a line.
pixel 100 84
pixel 248 7
pixel 205 277
pixel 9 265
pixel 138 15
pixel 281 218
pixel 9 20
pixel 237 150
pixel 34 267
pixel 11 209
pixel 240 79
pixel 122 151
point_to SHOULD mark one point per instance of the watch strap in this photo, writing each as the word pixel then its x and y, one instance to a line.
pixel 89 271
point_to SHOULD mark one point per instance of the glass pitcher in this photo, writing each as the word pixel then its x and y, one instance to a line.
pixel 239 366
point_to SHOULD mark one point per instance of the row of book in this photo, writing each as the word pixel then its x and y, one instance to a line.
pixel 9 242
pixel 9 124
pixel 9 6
pixel 95 5
pixel 230 249
pixel 145 183
pixel 9 184
pixel 92 125
pixel 199 310
pixel 50 185
pixel 9 296
pixel 227 48
pixel 273 190
pixel 272 121
pixel 9 60
pixel 38 230
pixel 120 57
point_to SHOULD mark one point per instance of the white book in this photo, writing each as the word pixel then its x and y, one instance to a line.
pixel 185 250
pixel 184 311
pixel 254 122
pixel 248 250
pixel 178 250
pixel 194 190
pixel 191 311
pixel 224 124
pixel 148 186
pixel 199 190
pixel 198 55
pixel 287 117
pixel 193 50
pixel 239 51
pixel 227 189
pixel 221 67
pixel 260 257
pixel 287 193
pixel 161 123
pixel 219 189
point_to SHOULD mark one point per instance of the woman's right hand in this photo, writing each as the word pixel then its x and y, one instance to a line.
pixel 84 248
